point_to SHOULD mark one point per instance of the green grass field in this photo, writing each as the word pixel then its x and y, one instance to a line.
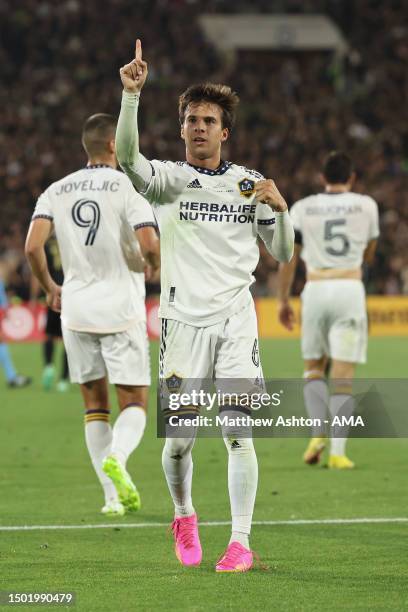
pixel 47 479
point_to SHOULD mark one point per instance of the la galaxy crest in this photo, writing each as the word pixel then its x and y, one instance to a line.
pixel 246 187
pixel 173 382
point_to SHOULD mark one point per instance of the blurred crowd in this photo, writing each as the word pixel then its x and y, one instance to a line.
pixel 59 63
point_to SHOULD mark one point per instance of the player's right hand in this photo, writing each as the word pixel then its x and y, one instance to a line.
pixel 133 75
pixel 53 298
pixel 286 315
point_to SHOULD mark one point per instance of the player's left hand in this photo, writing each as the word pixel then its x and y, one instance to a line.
pixel 267 192
pixel 53 297
pixel 286 315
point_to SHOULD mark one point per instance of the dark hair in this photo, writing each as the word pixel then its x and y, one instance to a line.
pixel 98 130
pixel 337 168
pixel 212 93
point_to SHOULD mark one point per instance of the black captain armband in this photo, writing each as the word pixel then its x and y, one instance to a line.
pixel 298 237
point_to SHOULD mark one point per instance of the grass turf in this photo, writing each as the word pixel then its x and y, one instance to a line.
pixel 47 479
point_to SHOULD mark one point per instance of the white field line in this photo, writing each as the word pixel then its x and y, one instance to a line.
pixel 347 521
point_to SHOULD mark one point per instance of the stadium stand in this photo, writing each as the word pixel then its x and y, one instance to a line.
pixel 61 59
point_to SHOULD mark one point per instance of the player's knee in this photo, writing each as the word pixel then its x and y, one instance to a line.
pixel 177 448
pixel 131 396
pixel 314 374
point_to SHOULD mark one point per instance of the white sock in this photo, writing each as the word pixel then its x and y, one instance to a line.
pixel 341 404
pixel 98 436
pixel 316 397
pixel 242 485
pixel 177 464
pixel 127 432
pixel 242 538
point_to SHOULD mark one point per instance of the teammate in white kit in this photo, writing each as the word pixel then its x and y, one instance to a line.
pixel 106 232
pixel 335 232
pixel 210 214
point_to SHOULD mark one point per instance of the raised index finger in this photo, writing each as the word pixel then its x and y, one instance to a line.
pixel 138 50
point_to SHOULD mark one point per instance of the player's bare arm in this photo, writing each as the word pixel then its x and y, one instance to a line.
pixel 369 253
pixel 37 236
pixel 150 247
pixel 286 276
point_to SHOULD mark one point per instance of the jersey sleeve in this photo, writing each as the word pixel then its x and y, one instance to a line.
pixel 374 227
pixel 265 217
pixel 43 207
pixel 168 180
pixel 138 211
pixel 265 221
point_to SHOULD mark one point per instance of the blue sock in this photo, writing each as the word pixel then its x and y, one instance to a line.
pixel 6 363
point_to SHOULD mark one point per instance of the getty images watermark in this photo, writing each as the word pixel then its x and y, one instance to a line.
pixel 230 416
pixel 366 408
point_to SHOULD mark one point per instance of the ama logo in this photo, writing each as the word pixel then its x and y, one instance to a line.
pixel 246 187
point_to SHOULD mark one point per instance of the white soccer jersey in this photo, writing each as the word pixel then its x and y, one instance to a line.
pixel 209 222
pixel 92 211
pixel 335 228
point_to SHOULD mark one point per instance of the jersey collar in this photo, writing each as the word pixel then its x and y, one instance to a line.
pixel 222 168
pixel 92 166
pixel 334 192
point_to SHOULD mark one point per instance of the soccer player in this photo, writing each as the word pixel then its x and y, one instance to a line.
pixel 53 329
pixel 103 314
pixel 14 380
pixel 335 233
pixel 210 213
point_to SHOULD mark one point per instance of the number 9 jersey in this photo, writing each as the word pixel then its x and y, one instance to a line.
pixel 334 229
pixel 93 211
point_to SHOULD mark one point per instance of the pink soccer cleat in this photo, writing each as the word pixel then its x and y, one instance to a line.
pixel 188 546
pixel 237 558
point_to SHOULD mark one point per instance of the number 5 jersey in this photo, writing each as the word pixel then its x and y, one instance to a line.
pixel 334 229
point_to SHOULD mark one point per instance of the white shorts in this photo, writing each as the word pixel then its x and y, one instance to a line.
pixel 334 320
pixel 227 350
pixel 123 356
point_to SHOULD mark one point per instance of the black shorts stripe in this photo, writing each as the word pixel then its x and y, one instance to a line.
pixel 162 347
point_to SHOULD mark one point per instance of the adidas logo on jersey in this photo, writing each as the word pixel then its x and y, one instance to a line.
pixel 194 185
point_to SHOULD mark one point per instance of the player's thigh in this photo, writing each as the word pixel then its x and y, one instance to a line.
pixel 186 364
pixel 348 328
pixel 186 351
pixel 95 394
pixel 85 361
pixel 130 395
pixel 314 341
pixel 315 368
pixel 126 356
pixel 237 355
